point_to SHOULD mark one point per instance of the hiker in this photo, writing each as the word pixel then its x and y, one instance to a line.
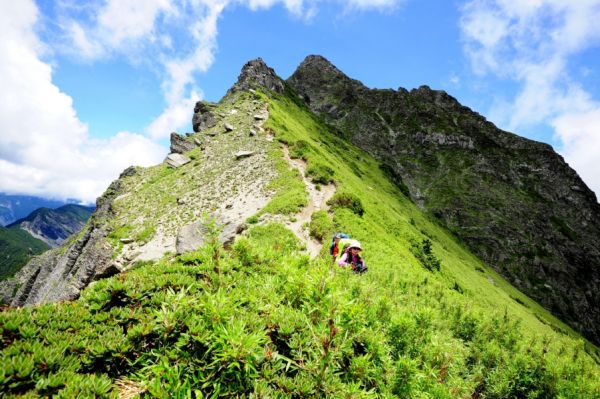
pixel 352 258
pixel 338 244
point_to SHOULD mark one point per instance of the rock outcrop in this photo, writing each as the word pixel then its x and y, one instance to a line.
pixel 256 74
pixel 180 144
pixel 60 275
pixel 204 117
pixel 150 212
pixel 513 201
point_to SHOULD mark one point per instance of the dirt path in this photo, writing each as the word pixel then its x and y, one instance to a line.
pixel 317 200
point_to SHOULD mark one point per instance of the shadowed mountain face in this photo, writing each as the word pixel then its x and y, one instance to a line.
pixel 13 207
pixel 513 201
pixel 53 226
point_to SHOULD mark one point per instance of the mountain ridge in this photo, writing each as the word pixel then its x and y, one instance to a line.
pixel 256 316
pixel 54 226
pixel 513 201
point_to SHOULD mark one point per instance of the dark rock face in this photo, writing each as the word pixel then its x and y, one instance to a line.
pixel 203 118
pixel 513 201
pixel 180 145
pixel 256 74
pixel 53 226
pixel 56 275
pixel 14 207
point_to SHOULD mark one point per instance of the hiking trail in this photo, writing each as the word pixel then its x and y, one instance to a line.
pixel 317 200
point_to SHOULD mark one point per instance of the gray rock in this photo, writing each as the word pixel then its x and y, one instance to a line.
pixel 180 144
pixel 204 117
pixel 127 240
pixel 60 274
pixel 228 127
pixel 176 160
pixel 194 235
pixel 256 74
pixel 252 133
pixel 260 117
pixel 198 142
pixel 243 154
pixel 108 271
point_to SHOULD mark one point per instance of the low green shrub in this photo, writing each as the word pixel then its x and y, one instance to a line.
pixel 320 174
pixel 321 225
pixel 425 255
pixel 299 149
pixel 347 200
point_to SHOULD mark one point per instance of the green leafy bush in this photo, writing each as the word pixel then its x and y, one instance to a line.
pixel 347 200
pixel 425 255
pixel 299 149
pixel 321 225
pixel 320 174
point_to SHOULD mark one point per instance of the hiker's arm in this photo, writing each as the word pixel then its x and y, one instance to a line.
pixel 342 261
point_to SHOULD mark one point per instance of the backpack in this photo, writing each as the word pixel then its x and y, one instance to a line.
pixel 342 236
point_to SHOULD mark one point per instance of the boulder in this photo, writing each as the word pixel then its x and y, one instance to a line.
pixel 180 144
pixel 175 160
pixel 204 118
pixel 243 154
pixel 194 235
pixel 228 127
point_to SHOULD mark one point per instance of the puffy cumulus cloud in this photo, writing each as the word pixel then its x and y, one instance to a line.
pixel 533 43
pixel 176 114
pixel 44 148
pixel 580 133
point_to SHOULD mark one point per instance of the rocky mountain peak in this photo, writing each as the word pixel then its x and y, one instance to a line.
pixel 256 74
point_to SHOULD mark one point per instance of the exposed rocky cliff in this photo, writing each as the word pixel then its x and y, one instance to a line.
pixel 220 173
pixel 513 201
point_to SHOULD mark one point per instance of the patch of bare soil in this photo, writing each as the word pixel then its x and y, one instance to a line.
pixel 317 200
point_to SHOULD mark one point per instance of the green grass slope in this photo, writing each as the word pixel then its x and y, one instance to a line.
pixel 262 320
pixel 16 248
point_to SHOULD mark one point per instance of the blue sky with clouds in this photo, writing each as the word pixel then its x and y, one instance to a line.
pixel 90 88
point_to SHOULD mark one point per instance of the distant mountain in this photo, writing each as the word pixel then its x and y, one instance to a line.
pixel 17 247
pixel 53 226
pixel 14 207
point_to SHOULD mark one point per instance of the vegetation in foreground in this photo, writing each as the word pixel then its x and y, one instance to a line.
pixel 265 321
pixel 262 320
pixel 16 249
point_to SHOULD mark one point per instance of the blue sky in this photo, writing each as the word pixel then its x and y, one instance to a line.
pixel 90 88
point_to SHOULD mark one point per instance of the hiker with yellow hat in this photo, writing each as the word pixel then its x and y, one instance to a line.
pixel 352 258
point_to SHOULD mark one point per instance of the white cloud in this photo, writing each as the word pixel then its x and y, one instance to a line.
pixel 176 115
pixel 44 148
pixel 580 133
pixel 533 43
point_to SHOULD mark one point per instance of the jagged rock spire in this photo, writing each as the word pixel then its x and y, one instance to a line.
pixel 256 74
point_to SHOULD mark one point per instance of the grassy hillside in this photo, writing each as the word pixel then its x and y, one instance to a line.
pixel 262 320
pixel 16 248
